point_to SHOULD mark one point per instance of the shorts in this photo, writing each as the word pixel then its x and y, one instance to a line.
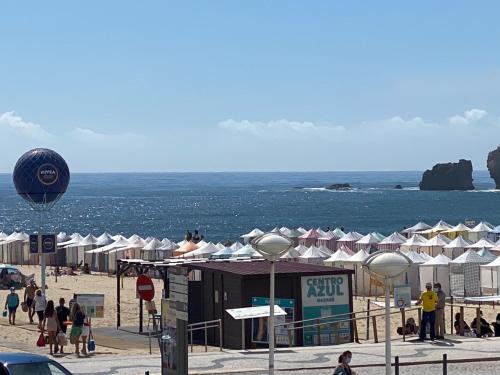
pixel 12 309
pixel 40 315
pixel 29 302
pixel 76 331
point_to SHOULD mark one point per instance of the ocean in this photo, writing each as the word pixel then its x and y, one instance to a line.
pixel 222 206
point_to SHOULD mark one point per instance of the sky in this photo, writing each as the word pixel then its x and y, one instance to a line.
pixel 117 86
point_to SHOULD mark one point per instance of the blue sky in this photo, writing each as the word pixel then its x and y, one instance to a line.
pixel 255 85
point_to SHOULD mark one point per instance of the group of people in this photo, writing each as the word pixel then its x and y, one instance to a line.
pixel 52 321
pixel 193 237
pixel 483 329
pixel 433 304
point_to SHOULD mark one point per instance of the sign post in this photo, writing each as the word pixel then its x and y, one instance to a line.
pixel 174 349
pixel 43 244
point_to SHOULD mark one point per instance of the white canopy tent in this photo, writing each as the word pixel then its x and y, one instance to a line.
pixel 225 253
pixel 420 226
pixel 236 246
pixel 292 254
pixel 338 258
pixel 75 252
pixel 415 242
pixel 247 251
pixel 151 251
pixel 436 270
pixel 349 240
pixel 367 240
pixel 480 231
pixel 458 230
pixel 482 243
pixel 465 274
pixel 251 235
pixel 411 276
pixel 314 255
pixel 490 277
pixel 456 247
pixel 203 252
pixel 392 242
pixel 486 254
pixel 301 249
pixel 361 275
pixel 435 245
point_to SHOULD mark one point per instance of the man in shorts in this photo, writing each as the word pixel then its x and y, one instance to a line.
pixel 62 315
pixel 29 296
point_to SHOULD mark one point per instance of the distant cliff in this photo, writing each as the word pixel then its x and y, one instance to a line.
pixel 448 176
pixel 493 164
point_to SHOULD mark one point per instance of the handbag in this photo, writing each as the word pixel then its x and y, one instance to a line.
pixel 41 341
pixel 91 342
pixel 62 339
pixel 24 306
pixel 4 313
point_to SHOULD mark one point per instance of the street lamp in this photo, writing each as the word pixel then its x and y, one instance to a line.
pixel 387 265
pixel 271 246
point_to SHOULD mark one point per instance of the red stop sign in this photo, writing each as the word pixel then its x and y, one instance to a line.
pixel 145 288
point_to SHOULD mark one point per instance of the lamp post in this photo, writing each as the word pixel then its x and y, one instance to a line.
pixel 271 246
pixel 387 265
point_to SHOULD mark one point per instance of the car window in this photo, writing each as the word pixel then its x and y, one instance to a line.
pixel 12 271
pixel 36 369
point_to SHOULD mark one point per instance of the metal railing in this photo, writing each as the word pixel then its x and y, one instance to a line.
pixel 205 326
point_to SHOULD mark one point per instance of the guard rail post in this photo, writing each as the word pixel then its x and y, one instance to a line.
pixel 375 334
pixel 206 337
pixel 445 364
pixel 318 331
pixel 461 321
pixel 396 365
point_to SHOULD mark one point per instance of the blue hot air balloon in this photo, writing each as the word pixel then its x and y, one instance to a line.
pixel 41 177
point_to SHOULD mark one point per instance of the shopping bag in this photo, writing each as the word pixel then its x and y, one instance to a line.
pixel 91 342
pixel 4 313
pixel 62 339
pixel 24 306
pixel 41 341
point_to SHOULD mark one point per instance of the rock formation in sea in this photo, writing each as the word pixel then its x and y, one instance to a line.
pixel 344 186
pixel 493 164
pixel 448 176
pixel 398 187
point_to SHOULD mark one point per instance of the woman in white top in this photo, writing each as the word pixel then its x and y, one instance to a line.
pixel 40 304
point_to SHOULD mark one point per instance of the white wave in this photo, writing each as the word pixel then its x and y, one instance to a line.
pixel 484 191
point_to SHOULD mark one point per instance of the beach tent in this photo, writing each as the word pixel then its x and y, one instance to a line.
pixel 61 237
pixel 411 277
pixel 182 243
pixel 313 255
pixel 440 226
pixel 275 230
pixel 425 256
pixel 328 240
pixel 361 276
pixel 378 235
pixel 486 254
pixel 293 235
pixel 436 270
pixel 203 251
pixel 184 249
pixel 465 274
pixel 490 277
pixel 135 237
pixel 151 251
pixel 225 253
pixel 321 232
pixel 75 253
pixel 99 257
pixel 329 252
pixel 456 247
pixel 74 239
pixel 480 231
pixel 349 240
pixel 367 240
pixel 302 230
pixel 458 230
pixel 251 235
pixel 415 242
pixel 494 234
pixel 420 226
pixel 292 254
pixel 247 251
pixel 392 242
pixel 104 239
pixel 285 231
pixel 15 249
pixel 482 243
pixel 310 238
pixel 220 246
pixel 301 249
pixel 435 245
pixel 236 246
pixel 338 258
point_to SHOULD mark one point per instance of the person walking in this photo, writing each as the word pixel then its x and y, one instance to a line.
pixel 39 305
pixel 11 304
pixel 428 300
pixel 440 306
pixel 29 296
pixel 51 324
pixel 344 368
pixel 78 318
pixel 62 316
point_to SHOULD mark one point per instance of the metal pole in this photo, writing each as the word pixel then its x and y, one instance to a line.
pixel 220 334
pixel 270 325
pixel 445 364
pixel 206 337
pixel 387 328
pixel 44 266
pixel 396 365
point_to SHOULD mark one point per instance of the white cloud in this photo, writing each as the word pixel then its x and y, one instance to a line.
pixel 89 135
pixel 469 117
pixel 29 129
pixel 276 128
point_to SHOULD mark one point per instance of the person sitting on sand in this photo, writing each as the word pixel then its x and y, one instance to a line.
pixel 467 330
pixel 343 368
pixel 485 326
pixel 12 303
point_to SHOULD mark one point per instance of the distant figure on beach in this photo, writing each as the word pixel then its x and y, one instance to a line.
pixel 40 304
pixel 11 304
pixel 343 368
pixel 62 316
pixel 51 325
pixel 485 326
pixel 196 237
pixel 78 319
pixel 439 329
pixel 189 236
pixel 29 296
pixel 428 300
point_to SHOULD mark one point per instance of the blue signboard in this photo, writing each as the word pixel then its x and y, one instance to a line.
pixel 49 243
pixel 326 297
pixel 33 243
pixel 259 325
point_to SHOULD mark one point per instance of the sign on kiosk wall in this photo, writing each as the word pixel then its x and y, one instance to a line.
pixel 145 288
pixel 324 296
pixel 259 325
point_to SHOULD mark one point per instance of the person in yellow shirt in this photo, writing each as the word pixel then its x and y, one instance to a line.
pixel 428 300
